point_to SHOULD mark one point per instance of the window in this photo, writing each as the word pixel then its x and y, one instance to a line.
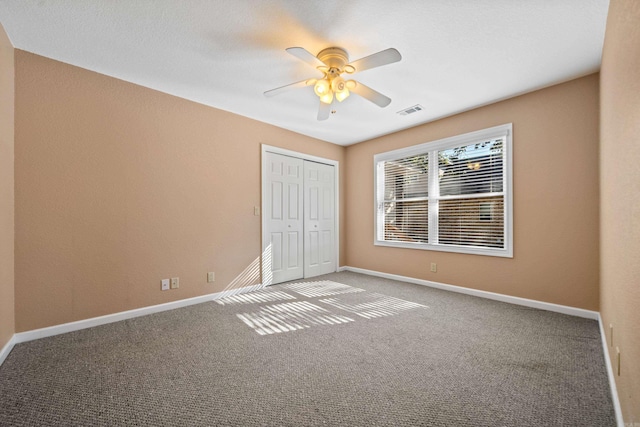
pixel 450 195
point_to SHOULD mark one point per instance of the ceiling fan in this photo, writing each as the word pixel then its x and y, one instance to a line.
pixel 333 62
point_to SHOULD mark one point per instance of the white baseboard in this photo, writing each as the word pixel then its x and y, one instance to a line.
pixel 610 374
pixel 7 349
pixel 123 315
pixel 572 311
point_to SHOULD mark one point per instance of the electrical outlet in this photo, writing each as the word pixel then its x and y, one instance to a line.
pixel 211 277
pixel 256 211
pixel 434 267
pixel 164 284
pixel 175 282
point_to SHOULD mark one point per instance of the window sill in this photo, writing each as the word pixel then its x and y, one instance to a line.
pixel 469 250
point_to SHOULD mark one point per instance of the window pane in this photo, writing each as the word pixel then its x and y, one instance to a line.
pixel 472 222
pixel 471 169
pixel 406 221
pixel 406 178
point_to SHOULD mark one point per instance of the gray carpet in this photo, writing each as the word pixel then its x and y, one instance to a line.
pixel 347 350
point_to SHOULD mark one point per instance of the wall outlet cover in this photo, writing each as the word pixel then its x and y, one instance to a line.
pixel 164 284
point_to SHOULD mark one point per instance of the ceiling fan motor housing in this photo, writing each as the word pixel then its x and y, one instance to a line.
pixel 335 58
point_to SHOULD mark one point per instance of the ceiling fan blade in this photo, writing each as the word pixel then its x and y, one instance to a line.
pixel 306 56
pixel 387 56
pixel 369 94
pixel 278 90
pixel 324 111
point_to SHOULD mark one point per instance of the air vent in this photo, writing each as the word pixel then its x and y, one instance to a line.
pixel 411 110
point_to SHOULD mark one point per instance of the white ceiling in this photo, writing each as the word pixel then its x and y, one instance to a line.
pixel 456 54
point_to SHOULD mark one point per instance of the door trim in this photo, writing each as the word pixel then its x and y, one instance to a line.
pixel 265 257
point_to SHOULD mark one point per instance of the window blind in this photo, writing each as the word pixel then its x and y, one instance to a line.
pixel 406 199
pixel 471 202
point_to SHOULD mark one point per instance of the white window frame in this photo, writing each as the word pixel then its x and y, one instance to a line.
pixel 503 131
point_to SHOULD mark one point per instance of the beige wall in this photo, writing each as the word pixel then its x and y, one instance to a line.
pixel 555 140
pixel 119 186
pixel 7 325
pixel 620 197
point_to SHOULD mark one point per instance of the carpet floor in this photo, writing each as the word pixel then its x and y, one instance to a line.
pixel 343 349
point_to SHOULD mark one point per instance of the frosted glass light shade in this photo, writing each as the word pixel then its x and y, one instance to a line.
pixel 342 95
pixel 327 98
pixel 322 87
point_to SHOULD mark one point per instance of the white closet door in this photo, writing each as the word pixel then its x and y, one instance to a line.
pixel 319 219
pixel 284 210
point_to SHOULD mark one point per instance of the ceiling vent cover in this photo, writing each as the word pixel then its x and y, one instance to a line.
pixel 411 110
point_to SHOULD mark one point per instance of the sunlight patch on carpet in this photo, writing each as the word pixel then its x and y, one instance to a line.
pixel 290 316
pixel 263 295
pixel 374 305
pixel 344 301
pixel 323 288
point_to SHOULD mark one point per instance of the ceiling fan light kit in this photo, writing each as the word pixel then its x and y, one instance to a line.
pixel 333 62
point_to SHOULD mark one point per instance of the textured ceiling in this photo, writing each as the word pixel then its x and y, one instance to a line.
pixel 456 54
